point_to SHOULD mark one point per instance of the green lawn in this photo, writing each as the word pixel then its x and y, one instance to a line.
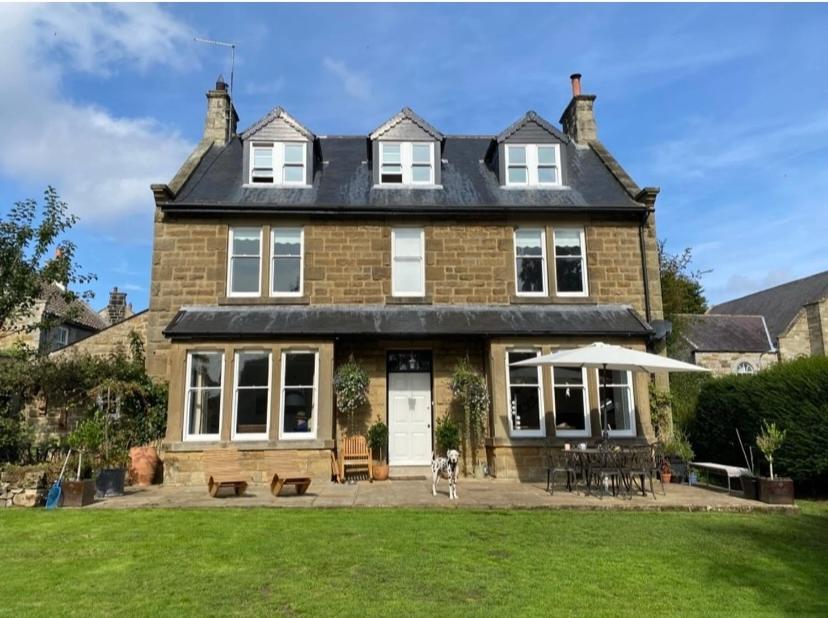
pixel 411 562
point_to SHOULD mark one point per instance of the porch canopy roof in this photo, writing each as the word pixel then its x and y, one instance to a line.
pixel 259 322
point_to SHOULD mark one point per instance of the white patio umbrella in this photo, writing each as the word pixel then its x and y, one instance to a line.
pixel 610 357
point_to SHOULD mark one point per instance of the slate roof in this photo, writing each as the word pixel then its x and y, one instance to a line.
pixel 76 312
pixel 726 333
pixel 778 305
pixel 343 183
pixel 426 320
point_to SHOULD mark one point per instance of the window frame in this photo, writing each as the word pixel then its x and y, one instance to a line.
pixel 188 389
pixel 573 433
pixel 407 163
pixel 230 255
pixel 544 263
pixel 279 163
pixel 749 366
pixel 61 336
pixel 294 435
pixel 584 274
pixel 273 256
pixel 242 437
pixel 422 258
pixel 532 164
pixel 525 433
pixel 630 386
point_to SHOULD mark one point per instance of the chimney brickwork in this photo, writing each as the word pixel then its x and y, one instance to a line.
pixel 578 119
pixel 220 123
pixel 116 310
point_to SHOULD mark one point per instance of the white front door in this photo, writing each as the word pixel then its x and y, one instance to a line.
pixel 409 419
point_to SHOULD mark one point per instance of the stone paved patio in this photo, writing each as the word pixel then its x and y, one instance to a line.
pixel 481 494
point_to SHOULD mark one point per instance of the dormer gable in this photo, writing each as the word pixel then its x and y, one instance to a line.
pixel 531 153
pixel 278 151
pixel 406 151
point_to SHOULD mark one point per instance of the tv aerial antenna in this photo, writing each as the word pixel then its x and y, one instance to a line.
pixel 232 47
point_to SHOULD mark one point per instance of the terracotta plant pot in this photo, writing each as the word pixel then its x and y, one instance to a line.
pixel 380 471
pixel 77 493
pixel 144 464
pixel 776 491
pixel 666 475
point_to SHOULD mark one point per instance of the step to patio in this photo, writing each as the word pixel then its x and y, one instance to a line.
pixel 409 473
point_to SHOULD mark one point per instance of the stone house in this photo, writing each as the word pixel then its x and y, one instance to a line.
pixel 278 254
pixel 725 344
pixel 68 323
pixel 796 314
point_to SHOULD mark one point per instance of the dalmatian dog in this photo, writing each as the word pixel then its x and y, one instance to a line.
pixel 445 467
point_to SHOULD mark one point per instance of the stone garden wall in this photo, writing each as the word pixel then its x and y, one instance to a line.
pixel 23 486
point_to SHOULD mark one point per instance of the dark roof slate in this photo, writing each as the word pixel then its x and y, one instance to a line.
pixel 780 304
pixel 344 181
pixel 726 333
pixel 76 312
pixel 426 320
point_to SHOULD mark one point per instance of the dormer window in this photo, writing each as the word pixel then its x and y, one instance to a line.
pixel 533 165
pixel 407 163
pixel 279 163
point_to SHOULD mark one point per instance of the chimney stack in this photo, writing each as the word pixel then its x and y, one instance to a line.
pixel 116 309
pixel 220 124
pixel 578 119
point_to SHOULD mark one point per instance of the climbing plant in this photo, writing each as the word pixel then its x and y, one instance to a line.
pixel 470 390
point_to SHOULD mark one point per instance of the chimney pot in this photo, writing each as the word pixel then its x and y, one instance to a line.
pixel 576 84
pixel 220 83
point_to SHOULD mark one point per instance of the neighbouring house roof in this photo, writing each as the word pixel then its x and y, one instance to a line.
pixel 77 312
pixel 406 113
pixel 726 333
pixel 343 183
pixel 778 305
pixel 531 117
pixel 247 322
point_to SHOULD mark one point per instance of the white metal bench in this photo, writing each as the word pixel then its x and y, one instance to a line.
pixel 732 472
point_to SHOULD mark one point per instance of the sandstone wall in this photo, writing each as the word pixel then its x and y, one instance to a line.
pixel 725 363
pixel 108 340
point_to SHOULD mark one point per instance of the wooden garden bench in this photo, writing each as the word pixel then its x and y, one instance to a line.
pixel 353 453
pixel 287 469
pixel 221 469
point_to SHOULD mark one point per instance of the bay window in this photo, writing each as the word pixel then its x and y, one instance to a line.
pixel 251 396
pixel 408 262
pixel 203 401
pixel 525 391
pixel 286 263
pixel 244 270
pixel 617 401
pixel 571 402
pixel 570 262
pixel 530 262
pixel 299 393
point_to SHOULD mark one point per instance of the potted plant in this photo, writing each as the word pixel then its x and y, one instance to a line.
pixel 378 442
pixel 773 490
pixel 749 479
pixel 113 453
pixel 446 435
pixel 144 423
pixel 677 454
pixel 351 383
pixel 86 439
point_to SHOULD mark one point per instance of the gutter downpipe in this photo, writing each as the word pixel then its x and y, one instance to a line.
pixel 645 273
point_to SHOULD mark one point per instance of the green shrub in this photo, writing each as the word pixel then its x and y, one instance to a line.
pixel 684 394
pixel 793 395
pixel 378 439
pixel 447 435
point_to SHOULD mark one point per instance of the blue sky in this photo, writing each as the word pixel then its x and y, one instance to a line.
pixel 722 106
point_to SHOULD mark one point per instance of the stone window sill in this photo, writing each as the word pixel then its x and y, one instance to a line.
pixel 241 445
pixel 552 300
pixel 265 300
pixel 408 300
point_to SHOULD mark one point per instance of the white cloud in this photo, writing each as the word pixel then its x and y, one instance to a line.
pixel 102 164
pixel 355 84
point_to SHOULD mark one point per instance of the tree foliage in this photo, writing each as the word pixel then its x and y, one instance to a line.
pixel 33 253
pixel 351 383
pixel 681 287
